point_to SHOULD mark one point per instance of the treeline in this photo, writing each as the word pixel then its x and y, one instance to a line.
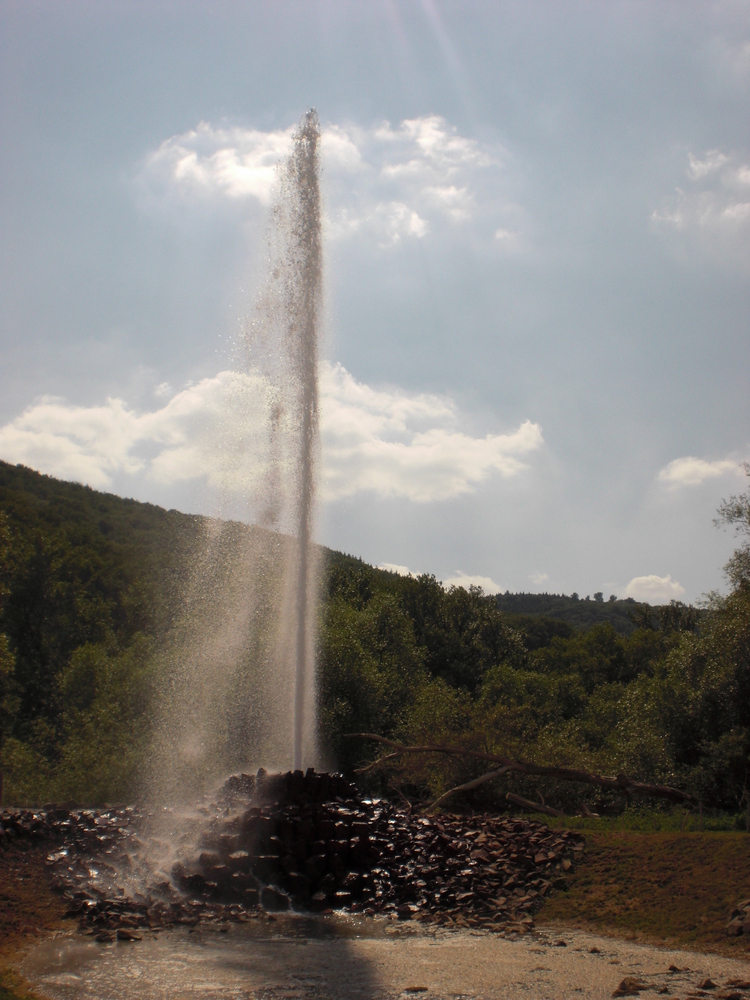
pixel 89 583
pixel 667 703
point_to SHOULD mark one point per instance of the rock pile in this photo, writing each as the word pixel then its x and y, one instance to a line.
pixel 302 840
pixel 739 920
pixel 29 824
pixel 311 840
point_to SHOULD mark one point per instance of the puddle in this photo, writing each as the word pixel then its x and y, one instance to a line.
pixel 346 958
pixel 257 960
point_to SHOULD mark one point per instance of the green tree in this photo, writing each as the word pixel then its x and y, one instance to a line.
pixel 735 512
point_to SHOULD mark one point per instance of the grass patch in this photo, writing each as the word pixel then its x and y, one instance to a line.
pixel 665 888
pixel 640 820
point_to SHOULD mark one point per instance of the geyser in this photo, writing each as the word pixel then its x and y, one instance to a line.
pixel 303 313
pixel 240 658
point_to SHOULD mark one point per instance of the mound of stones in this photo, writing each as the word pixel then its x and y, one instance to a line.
pixel 306 841
pixel 31 825
pixel 739 920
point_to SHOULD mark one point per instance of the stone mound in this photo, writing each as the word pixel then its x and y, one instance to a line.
pixel 307 841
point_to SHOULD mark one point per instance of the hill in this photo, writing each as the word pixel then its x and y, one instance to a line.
pixel 581 614
pixel 93 588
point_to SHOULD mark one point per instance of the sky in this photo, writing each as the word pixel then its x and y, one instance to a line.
pixel 537 242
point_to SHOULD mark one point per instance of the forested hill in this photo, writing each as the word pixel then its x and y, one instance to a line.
pixel 580 613
pixel 91 584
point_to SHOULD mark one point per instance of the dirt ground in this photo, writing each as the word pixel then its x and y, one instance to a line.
pixel 28 910
pixel 633 896
pixel 389 960
pixel 661 888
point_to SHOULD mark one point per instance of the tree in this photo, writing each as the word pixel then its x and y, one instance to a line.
pixel 736 512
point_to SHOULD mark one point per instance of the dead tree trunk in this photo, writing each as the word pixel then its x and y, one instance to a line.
pixel 621 783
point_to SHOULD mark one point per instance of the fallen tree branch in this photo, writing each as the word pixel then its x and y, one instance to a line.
pixel 533 806
pixel 621 783
pixel 467 787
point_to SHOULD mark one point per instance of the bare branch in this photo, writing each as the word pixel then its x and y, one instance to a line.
pixel 376 763
pixel 621 783
pixel 467 787
pixel 533 806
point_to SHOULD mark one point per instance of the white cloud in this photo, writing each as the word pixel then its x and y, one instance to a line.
pixel 208 161
pixel 397 220
pixel 506 235
pixel 691 471
pixel 395 568
pixel 654 589
pixel 539 578
pixel 214 430
pixel 390 443
pixel 711 214
pixel 467 580
pixel 388 183
pixel 713 160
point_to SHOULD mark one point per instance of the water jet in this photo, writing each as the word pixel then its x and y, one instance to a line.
pixel 240 661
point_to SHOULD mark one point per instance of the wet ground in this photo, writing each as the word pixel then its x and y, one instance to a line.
pixel 344 957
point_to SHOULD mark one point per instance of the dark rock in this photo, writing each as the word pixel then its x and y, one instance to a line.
pixel 266 867
pixel 196 882
pixel 123 934
pixel 239 861
pixel 299 885
pixel 274 899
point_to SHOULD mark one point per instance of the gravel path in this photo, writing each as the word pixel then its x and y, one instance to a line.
pixel 373 960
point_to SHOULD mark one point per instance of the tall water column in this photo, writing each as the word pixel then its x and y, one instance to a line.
pixel 303 310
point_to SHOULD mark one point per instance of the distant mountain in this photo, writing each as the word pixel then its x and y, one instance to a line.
pixel 580 614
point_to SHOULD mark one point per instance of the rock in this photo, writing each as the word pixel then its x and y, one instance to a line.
pixel 299 885
pixel 239 861
pixel 196 882
pixel 123 934
pixel 707 984
pixel 274 899
pixel 266 867
pixel 629 987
